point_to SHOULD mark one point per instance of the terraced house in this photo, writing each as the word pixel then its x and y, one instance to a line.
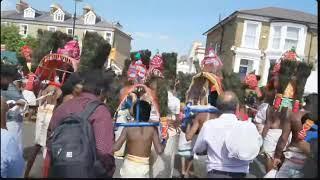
pixel 250 40
pixel 30 20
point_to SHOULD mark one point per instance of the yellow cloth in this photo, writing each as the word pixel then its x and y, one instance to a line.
pixel 135 167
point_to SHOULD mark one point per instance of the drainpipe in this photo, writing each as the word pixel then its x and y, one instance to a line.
pixel 310 47
pixel 222 34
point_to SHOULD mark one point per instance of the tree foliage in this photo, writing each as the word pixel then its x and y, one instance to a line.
pixel 95 52
pixel 183 86
pixel 170 65
pixel 13 40
pixel 46 42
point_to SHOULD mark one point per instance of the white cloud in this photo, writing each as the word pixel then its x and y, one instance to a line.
pixel 7 5
pixel 163 37
pixel 142 34
pixel 149 35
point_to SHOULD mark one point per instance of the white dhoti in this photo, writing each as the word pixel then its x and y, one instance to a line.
pixel 293 164
pixel 164 164
pixel 42 123
pixel 271 140
pixel 135 167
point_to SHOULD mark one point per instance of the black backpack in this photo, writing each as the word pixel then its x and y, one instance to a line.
pixel 73 148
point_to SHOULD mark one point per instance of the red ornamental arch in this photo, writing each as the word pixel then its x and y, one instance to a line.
pixel 51 63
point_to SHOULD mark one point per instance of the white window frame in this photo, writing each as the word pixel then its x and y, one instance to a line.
pixel 4 23
pixel 284 25
pixel 24 35
pixel 111 36
pixel 69 29
pixel 55 28
pixel 29 13
pixel 58 13
pixel 258 31
pixel 93 20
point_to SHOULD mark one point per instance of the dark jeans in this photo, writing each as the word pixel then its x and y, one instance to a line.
pixel 221 174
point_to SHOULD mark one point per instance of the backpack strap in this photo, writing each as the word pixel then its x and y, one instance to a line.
pixel 89 109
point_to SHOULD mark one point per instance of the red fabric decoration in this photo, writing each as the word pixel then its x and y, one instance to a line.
pixel 156 66
pixel 296 106
pixel 58 85
pixel 251 81
pixel 211 62
pixel 277 101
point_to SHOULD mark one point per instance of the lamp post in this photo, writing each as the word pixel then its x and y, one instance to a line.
pixel 74 16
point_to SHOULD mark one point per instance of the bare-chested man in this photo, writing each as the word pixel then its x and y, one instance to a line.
pixel 198 121
pixel 139 141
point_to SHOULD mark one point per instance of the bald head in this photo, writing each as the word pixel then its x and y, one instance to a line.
pixel 227 102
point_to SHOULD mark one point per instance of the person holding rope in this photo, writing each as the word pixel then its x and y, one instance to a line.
pixel 139 141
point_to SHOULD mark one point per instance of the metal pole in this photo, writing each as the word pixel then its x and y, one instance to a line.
pixel 74 17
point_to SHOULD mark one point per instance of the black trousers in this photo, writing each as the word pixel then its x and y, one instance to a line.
pixel 221 174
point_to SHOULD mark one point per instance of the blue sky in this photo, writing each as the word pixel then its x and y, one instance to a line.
pixel 168 25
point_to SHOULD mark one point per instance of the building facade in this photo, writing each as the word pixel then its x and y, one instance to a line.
pixel 29 20
pixel 196 55
pixel 250 40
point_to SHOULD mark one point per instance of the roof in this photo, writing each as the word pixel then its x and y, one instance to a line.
pixel 46 17
pixel 283 14
pixel 275 13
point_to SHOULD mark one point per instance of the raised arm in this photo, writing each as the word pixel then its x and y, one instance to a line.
pixel 156 142
pixel 286 129
pixel 118 144
pixel 200 146
pixel 190 132
pixel 267 124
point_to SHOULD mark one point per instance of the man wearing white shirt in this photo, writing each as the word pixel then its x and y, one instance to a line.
pixel 212 138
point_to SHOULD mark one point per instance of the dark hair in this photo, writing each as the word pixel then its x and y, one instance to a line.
pixel 8 70
pixel 144 110
pixel 68 86
pixel 312 106
pixel 213 96
pixel 96 81
pixel 227 105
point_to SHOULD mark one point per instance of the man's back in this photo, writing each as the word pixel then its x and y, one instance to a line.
pixel 101 125
pixel 139 140
pixel 214 134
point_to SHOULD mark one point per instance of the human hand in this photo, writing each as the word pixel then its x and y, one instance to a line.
pixel 276 163
pixel 20 102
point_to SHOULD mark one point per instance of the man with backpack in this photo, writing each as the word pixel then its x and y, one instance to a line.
pixel 80 134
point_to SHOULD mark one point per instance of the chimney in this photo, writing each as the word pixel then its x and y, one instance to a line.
pixel 21 6
pixel 53 8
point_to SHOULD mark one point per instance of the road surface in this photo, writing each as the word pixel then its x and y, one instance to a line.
pixel 256 167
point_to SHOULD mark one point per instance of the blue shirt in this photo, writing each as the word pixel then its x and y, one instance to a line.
pixel 12 162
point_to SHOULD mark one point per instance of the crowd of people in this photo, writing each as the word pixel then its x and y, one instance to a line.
pixel 81 140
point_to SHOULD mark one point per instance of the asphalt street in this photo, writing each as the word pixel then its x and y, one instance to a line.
pixel 256 167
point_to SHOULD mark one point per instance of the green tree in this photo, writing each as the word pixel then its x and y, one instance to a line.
pixel 95 51
pixel 48 41
pixel 10 37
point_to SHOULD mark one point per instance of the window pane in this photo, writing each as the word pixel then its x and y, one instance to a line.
pixel 251 29
pixel 290 43
pixel 244 62
pixel 292 33
pixel 249 41
pixel 276 43
pixel 277 31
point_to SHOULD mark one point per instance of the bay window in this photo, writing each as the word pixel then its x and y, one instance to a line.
pixel 284 36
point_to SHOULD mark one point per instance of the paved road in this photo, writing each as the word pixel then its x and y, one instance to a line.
pixel 256 168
